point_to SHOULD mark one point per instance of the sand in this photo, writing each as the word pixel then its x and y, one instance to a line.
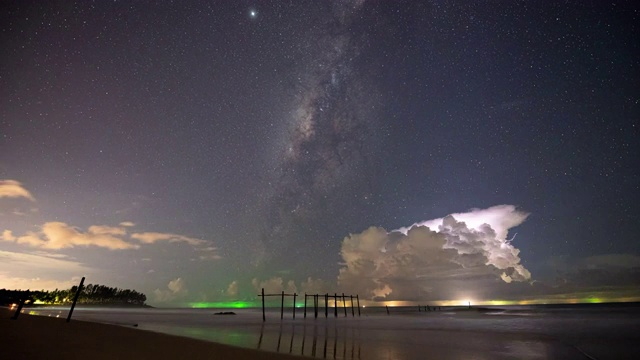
pixel 38 337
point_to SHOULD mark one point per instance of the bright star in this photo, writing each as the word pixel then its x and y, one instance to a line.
pixel 253 14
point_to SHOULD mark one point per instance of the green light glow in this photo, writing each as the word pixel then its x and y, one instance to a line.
pixel 223 304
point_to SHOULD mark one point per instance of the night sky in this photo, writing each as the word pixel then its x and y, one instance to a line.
pixel 201 150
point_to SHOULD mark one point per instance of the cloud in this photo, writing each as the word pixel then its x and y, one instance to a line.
pixel 433 258
pixel 14 189
pixel 127 224
pixel 58 235
pixel 175 289
pixel 314 286
pixel 153 237
pixel 232 289
pixel 7 235
pixel 274 285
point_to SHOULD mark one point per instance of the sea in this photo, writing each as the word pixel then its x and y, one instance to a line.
pixel 577 331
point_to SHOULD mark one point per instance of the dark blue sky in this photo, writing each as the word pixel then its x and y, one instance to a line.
pixel 273 137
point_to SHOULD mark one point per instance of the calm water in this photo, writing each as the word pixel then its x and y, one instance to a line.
pixel 515 332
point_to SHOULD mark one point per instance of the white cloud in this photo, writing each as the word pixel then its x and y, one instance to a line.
pixel 58 235
pixel 232 289
pixel 127 224
pixel 153 237
pixel 428 258
pixel 175 289
pixel 14 189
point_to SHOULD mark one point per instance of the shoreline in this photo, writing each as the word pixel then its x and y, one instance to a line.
pixel 41 337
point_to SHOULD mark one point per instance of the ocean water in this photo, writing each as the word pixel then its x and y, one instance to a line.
pixel 594 331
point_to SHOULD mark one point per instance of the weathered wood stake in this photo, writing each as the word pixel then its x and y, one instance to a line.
pixel 387 306
pixel 305 305
pixel 335 304
pixel 344 305
pixel 358 300
pixel 263 317
pixel 353 314
pixel 75 299
pixel 326 305
pixel 315 306
pixel 282 306
pixel 294 305
pixel 20 305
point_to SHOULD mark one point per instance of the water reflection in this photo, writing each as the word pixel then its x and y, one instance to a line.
pixel 323 342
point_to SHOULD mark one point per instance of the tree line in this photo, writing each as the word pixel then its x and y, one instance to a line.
pixel 94 294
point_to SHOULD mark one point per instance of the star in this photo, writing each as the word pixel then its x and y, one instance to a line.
pixel 253 13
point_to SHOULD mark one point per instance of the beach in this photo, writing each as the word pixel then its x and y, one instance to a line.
pixel 531 333
pixel 41 337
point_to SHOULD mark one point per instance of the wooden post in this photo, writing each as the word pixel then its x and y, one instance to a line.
pixel 294 305
pixel 419 308
pixel 305 305
pixel 353 313
pixel 282 306
pixel 344 305
pixel 315 306
pixel 387 306
pixel 75 299
pixel 263 317
pixel 326 305
pixel 20 305
pixel 358 300
pixel 335 304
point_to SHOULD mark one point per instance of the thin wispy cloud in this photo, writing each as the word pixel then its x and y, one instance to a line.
pixel 14 189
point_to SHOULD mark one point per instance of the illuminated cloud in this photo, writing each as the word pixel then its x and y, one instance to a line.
pixel 7 235
pixel 127 224
pixel 14 189
pixel 175 289
pixel 153 237
pixel 425 259
pixel 58 235
pixel 232 289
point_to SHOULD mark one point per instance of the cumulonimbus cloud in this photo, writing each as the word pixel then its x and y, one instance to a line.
pixel 420 260
pixel 14 189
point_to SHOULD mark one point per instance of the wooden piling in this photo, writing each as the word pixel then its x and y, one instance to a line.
pixel 263 317
pixel 294 305
pixel 75 299
pixel 353 313
pixel 305 305
pixel 282 306
pixel 344 305
pixel 358 300
pixel 20 305
pixel 326 305
pixel 335 304
pixel 387 306
pixel 315 306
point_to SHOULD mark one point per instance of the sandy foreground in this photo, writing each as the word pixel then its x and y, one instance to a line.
pixel 38 337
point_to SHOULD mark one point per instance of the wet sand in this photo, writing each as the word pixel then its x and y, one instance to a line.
pixel 39 337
